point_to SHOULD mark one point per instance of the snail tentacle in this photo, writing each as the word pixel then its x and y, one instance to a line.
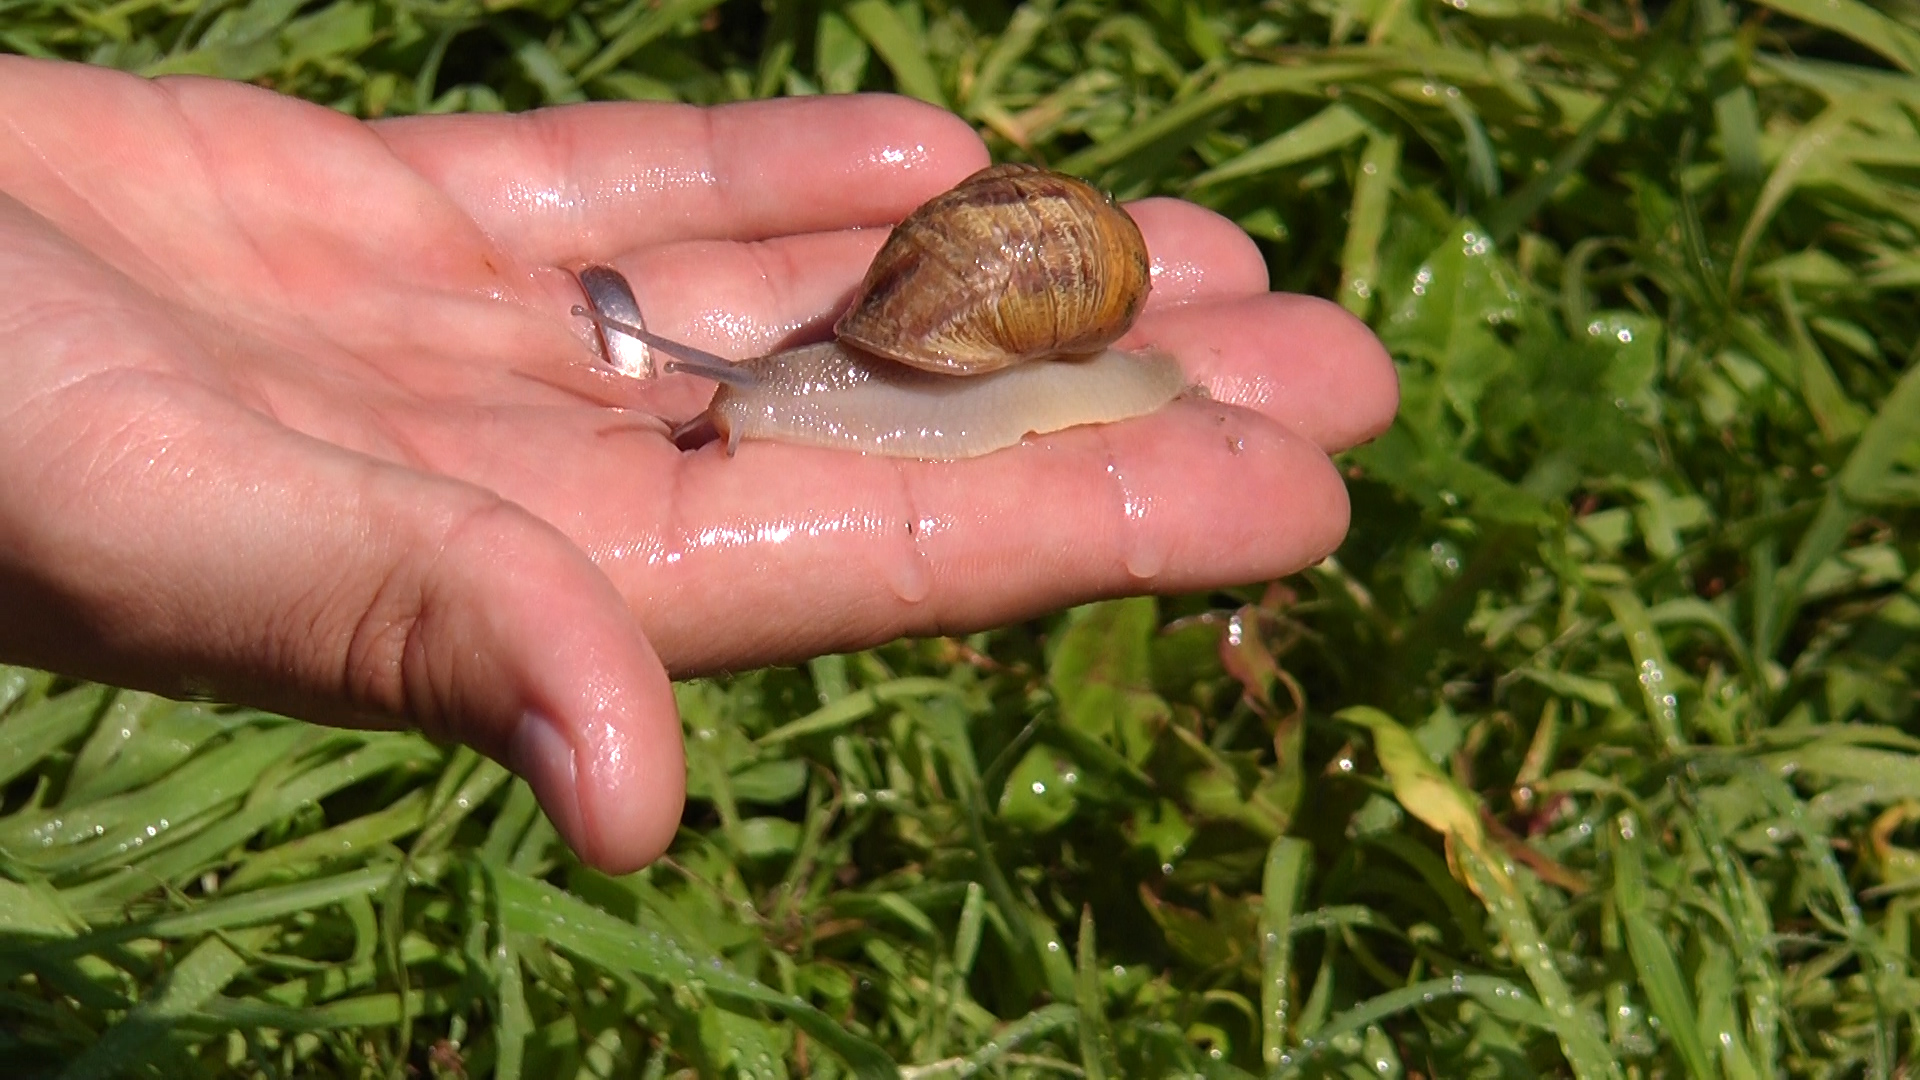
pixel 687 359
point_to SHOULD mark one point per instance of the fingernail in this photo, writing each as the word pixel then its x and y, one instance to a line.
pixel 546 758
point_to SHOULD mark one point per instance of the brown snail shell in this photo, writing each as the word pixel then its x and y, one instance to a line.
pixel 1014 264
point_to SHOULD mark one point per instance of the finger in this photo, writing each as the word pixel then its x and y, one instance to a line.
pixel 797 551
pixel 588 183
pixel 1302 361
pixel 1197 254
pixel 275 570
pixel 274 203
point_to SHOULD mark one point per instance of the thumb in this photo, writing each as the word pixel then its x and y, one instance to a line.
pixel 170 540
pixel 485 625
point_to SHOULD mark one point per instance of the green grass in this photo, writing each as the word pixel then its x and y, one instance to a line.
pixel 1593 753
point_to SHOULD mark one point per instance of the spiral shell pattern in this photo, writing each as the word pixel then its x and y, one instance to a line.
pixel 1015 264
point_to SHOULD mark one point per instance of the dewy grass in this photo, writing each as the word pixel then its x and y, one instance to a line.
pixel 1591 754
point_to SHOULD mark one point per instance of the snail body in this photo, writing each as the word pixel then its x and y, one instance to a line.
pixel 988 315
pixel 835 396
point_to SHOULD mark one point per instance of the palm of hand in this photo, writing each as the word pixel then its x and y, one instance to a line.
pixel 297 411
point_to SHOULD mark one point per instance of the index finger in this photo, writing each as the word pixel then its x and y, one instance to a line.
pixel 587 183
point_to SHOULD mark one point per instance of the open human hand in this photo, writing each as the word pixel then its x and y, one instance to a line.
pixel 296 415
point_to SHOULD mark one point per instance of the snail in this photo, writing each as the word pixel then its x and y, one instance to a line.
pixel 989 314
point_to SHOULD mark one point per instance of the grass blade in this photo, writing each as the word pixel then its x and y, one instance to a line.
pixel 1372 199
pixel 28 735
pixel 1659 973
pixel 543 912
pixel 135 1043
pixel 900 47
pixel 1281 887
pixel 1867 27
pixel 1096 1045
pixel 1324 132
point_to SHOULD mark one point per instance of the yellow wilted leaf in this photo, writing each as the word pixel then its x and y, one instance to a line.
pixel 1425 791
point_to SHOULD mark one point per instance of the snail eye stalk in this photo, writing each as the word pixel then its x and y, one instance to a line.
pixel 687 359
